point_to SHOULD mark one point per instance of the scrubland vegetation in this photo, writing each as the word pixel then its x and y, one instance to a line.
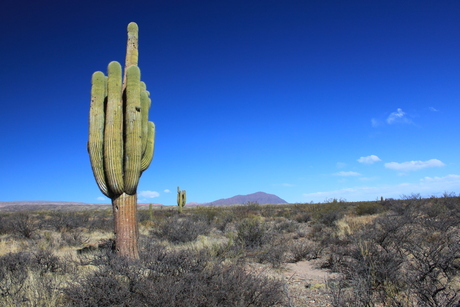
pixel 386 253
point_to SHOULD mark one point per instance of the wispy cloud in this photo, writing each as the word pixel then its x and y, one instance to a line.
pixel 167 191
pixel 347 174
pixel 368 178
pixel 102 198
pixel 369 159
pixel 398 117
pixel 413 165
pixel 449 178
pixel 433 109
pixel 376 122
pixel 148 194
pixel 426 186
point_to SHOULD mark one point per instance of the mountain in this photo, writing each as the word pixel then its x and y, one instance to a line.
pixel 259 197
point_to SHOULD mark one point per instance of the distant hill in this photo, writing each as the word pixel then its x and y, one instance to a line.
pixel 24 205
pixel 58 203
pixel 42 203
pixel 260 197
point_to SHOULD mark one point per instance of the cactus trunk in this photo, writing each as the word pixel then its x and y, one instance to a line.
pixel 121 141
pixel 125 225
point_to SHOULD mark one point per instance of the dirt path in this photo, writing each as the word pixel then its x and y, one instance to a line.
pixel 307 284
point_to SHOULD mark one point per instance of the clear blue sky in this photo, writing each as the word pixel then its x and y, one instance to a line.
pixel 307 100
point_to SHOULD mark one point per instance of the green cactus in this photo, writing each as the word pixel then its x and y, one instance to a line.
pixel 121 140
pixel 181 198
pixel 151 212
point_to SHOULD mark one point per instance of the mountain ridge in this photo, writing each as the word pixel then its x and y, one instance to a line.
pixel 258 197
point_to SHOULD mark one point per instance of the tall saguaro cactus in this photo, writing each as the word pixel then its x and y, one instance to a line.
pixel 181 198
pixel 121 141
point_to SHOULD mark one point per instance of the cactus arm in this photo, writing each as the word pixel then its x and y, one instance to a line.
pixel 132 48
pixel 178 196
pixel 144 88
pixel 145 106
pixel 150 148
pixel 133 130
pixel 113 136
pixel 96 129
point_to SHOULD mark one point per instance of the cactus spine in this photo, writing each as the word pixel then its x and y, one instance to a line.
pixel 121 140
pixel 181 198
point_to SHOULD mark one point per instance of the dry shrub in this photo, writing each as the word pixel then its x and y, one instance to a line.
pixel 409 256
pixel 180 229
pixel 176 278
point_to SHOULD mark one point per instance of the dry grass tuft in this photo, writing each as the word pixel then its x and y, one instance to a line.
pixel 348 225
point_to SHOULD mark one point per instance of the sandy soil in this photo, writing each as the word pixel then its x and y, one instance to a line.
pixel 307 283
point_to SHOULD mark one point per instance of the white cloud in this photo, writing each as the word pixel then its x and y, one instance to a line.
pixel 347 174
pixel 102 198
pixel 451 178
pixel 433 109
pixel 426 187
pixel 167 191
pixel 398 117
pixel 413 165
pixel 369 159
pixel 148 194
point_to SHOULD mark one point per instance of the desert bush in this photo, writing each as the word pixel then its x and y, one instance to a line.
pixel 4 224
pixel 405 255
pixel 181 229
pixel 46 261
pixel 30 279
pixel 369 208
pixel 63 221
pixel 304 250
pixel 208 213
pixel 23 224
pixel 171 277
pixel 101 220
pixel 302 217
pixel 285 225
pixel 13 273
pixel 273 251
pixel 328 213
pixel 247 210
pixel 252 232
pixel 220 222
pixel 75 237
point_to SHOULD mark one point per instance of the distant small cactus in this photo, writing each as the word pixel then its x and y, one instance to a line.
pixel 151 212
pixel 181 198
